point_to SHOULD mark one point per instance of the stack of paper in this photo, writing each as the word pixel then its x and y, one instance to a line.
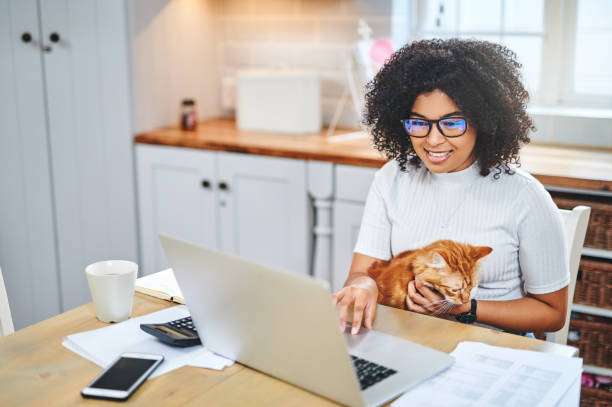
pixel 161 285
pixel 102 346
pixel 485 375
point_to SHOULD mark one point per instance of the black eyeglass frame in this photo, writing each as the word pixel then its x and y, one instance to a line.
pixel 437 123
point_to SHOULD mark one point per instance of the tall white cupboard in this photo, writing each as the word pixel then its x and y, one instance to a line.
pixel 66 165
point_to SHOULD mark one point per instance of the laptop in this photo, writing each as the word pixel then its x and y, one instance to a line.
pixel 285 325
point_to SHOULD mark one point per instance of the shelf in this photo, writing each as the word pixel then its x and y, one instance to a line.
pixel 597 370
pixel 587 309
pixel 604 254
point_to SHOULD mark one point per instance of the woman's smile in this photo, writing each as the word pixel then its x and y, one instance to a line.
pixel 437 157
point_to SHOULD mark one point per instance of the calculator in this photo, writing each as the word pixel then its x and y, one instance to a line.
pixel 180 332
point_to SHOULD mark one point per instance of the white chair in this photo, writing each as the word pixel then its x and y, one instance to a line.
pixel 576 222
pixel 6 321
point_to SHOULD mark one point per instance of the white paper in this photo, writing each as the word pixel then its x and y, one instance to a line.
pixel 104 345
pixel 161 282
pixel 571 398
pixel 485 375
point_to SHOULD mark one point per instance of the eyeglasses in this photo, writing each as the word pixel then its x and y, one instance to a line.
pixel 448 126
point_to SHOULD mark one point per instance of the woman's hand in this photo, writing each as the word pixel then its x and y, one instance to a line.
pixel 361 292
pixel 424 300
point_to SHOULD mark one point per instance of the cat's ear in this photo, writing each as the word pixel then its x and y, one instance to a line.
pixel 437 261
pixel 479 252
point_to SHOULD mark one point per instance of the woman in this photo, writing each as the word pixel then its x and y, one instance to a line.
pixel 451 115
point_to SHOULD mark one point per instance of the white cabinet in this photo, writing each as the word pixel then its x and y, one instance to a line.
pixel 66 178
pixel 252 206
pixel 263 210
pixel 176 198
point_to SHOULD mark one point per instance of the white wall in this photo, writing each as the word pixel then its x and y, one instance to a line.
pixel 173 58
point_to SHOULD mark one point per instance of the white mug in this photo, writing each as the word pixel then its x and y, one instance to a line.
pixel 112 284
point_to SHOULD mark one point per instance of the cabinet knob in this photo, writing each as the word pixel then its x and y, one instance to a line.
pixel 205 184
pixel 54 37
pixel 26 37
pixel 223 186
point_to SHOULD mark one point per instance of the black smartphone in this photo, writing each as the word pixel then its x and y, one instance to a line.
pixel 123 376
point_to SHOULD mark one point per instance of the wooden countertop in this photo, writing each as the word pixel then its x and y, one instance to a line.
pixel 553 166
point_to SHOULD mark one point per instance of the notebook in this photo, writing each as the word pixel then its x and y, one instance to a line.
pixel 161 285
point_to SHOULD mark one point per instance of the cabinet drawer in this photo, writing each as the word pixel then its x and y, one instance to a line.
pixel 353 183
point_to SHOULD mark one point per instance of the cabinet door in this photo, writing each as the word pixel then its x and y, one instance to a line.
pixel 27 241
pixel 176 198
pixel 87 92
pixel 264 210
pixel 347 220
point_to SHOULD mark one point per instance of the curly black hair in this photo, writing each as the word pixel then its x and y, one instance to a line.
pixel 482 78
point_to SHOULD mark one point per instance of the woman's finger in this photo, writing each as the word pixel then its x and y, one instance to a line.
pixel 370 313
pixel 415 296
pixel 433 301
pixel 358 308
pixel 426 291
pixel 343 307
pixel 337 296
pixel 414 307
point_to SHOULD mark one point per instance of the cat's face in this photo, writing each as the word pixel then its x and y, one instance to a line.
pixel 452 270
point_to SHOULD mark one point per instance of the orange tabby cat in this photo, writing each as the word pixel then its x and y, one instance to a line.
pixel 449 267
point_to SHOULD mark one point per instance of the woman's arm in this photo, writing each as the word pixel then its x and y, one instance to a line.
pixel 535 312
pixel 359 291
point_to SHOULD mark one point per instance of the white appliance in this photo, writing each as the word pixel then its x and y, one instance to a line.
pixel 279 101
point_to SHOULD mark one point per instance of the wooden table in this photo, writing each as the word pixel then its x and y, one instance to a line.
pixel 35 369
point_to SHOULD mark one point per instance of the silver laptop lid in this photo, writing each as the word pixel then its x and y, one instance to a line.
pixel 280 323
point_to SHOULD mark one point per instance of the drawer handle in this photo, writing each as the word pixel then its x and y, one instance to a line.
pixel 223 186
pixel 205 184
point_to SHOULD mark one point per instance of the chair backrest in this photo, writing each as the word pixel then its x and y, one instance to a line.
pixel 576 222
pixel 6 321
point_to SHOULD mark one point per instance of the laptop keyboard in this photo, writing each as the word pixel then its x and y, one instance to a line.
pixel 370 373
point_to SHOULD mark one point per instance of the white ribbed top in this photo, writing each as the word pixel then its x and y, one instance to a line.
pixel 514 215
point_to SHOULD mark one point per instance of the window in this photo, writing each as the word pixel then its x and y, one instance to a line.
pixel 564 45
pixel 592 64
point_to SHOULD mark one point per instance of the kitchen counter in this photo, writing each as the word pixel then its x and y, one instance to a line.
pixel 554 166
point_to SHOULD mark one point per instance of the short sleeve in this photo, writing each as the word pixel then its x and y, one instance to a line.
pixel 543 255
pixel 374 237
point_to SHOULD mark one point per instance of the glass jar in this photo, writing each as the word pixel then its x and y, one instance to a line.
pixel 189 117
